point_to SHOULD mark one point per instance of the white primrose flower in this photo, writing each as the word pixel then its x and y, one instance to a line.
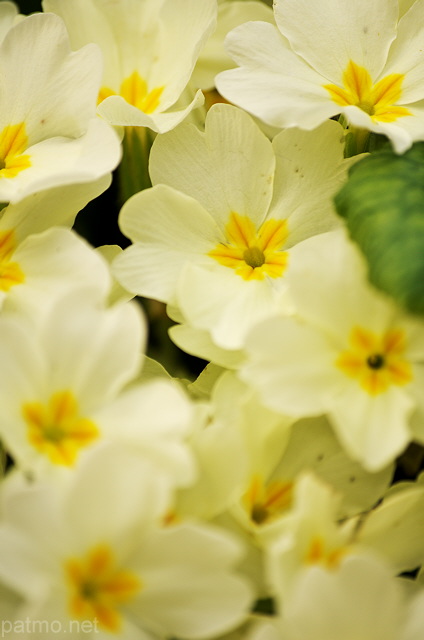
pixel 58 371
pixel 36 269
pixel 49 133
pixel 266 502
pixel 72 384
pixel 38 260
pixel 226 209
pixel 315 536
pixel 235 427
pixel 350 354
pixel 254 497
pixel 149 47
pixel 96 552
pixel 361 600
pixel 312 536
pixel 329 57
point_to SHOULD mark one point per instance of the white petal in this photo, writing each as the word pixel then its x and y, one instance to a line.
pixel 52 207
pixel 90 350
pixel 330 36
pixel 169 229
pixel 118 112
pixel 53 262
pixel 347 299
pixel 154 419
pixel 358 601
pixel 231 307
pixel 50 88
pixel 406 54
pixel 395 528
pixel 190 589
pixel 64 161
pixel 229 168
pixel 291 366
pixel 313 445
pixel 115 490
pixel 306 180
pixel 199 343
pixel 87 22
pixel 273 84
pixel 374 429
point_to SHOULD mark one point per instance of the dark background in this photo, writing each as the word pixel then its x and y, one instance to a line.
pixel 27 6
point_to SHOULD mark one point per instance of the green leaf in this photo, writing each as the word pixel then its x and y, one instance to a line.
pixel 383 207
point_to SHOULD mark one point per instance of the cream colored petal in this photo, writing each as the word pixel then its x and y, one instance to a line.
pixel 306 180
pixel 373 429
pixel 331 36
pixel 406 54
pixel 229 168
pixel 118 112
pixel 65 161
pixel 169 229
pixel 291 366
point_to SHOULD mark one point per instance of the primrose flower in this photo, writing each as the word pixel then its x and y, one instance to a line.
pixel 149 48
pixel 36 269
pixel 361 600
pixel 62 369
pixel 96 551
pixel 327 58
pixel 350 353
pixel 49 132
pixel 312 536
pixel 226 210
pixel 40 260
pixel 267 501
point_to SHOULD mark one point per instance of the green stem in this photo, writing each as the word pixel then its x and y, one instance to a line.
pixel 357 141
pixel 133 171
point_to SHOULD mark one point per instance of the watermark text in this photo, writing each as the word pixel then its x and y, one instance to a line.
pixel 29 626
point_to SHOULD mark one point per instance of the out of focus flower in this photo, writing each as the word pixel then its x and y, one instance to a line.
pixel 360 600
pixel 213 57
pixel 149 48
pixel 350 354
pixel 96 551
pixel 60 370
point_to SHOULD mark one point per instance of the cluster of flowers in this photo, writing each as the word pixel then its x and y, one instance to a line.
pixel 256 502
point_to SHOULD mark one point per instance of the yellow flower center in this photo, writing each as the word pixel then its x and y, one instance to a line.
pixel 134 91
pixel 57 430
pixel 378 100
pixel 319 553
pixel 10 272
pixel 253 255
pixel 265 502
pixel 98 588
pixel 13 142
pixel 377 362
